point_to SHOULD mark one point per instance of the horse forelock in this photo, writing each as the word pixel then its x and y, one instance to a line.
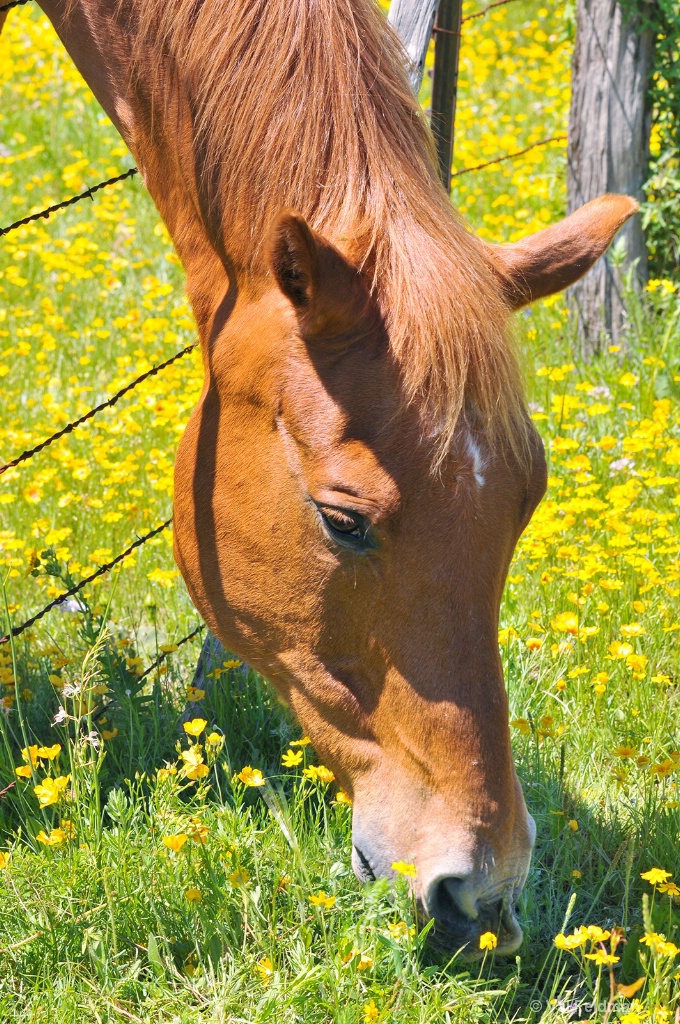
pixel 306 104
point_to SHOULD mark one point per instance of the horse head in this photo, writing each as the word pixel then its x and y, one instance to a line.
pixel 327 539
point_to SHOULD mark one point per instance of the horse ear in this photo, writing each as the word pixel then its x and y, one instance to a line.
pixel 325 289
pixel 554 258
pixel 293 259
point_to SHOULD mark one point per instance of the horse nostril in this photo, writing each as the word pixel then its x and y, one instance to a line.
pixel 456 912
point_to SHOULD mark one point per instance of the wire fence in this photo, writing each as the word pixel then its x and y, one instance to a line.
pixel 30 453
pixel 87 194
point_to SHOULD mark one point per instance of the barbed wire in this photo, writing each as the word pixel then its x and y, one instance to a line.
pixel 480 14
pixel 509 156
pixel 159 660
pixel 108 404
pixel 165 654
pixel 17 630
pixel 87 194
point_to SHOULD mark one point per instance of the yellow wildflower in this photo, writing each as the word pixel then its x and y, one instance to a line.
pixel 371 1012
pixel 265 969
pixel 322 900
pixel 488 941
pixel 656 875
pixel 51 790
pixel 50 752
pixel 23 771
pixel 291 758
pixel 175 843
pixel 195 694
pixel 193 894
pixel 251 776
pixel 239 877
pixel 407 870
pixel 4 859
pixel 195 727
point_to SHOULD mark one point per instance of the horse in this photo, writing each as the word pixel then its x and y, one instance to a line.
pixel 360 465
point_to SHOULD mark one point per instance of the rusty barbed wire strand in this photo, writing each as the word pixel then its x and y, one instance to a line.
pixel 509 156
pixel 108 404
pixel 165 654
pixel 14 3
pixel 17 630
pixel 480 14
pixel 87 194
pixel 185 640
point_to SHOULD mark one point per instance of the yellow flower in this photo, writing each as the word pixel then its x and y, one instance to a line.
pixel 194 694
pixel 573 941
pixel 343 798
pixel 522 725
pixel 109 734
pixel 488 941
pixel 304 742
pixel 4 859
pixel 51 790
pixel 371 1012
pixel 50 752
pixel 193 767
pixel 193 894
pixel 239 877
pixel 175 843
pixel 168 648
pixel 291 758
pixel 656 875
pixel 534 643
pixel 636 662
pixel 565 622
pixel 31 755
pixel 407 870
pixel 601 957
pixel 576 873
pixel 399 930
pixel 195 727
pixel 56 837
pixel 324 774
pixel 265 969
pixel 214 739
pixel 624 751
pixel 251 776
pixel 617 649
pixel 322 900
pixel 573 824
pixel 670 888
pixel 365 961
pixel 23 771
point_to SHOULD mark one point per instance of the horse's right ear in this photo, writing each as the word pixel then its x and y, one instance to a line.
pixel 325 290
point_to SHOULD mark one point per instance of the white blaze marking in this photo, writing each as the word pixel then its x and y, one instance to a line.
pixel 478 463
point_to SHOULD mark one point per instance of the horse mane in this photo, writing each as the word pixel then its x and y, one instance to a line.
pixel 306 105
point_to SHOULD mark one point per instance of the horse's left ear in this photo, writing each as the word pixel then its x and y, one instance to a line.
pixel 326 291
pixel 554 258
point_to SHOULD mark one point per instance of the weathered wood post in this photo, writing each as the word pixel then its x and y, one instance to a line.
pixel 445 83
pixel 608 150
pixel 413 21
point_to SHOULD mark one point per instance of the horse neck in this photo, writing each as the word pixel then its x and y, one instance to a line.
pixel 101 45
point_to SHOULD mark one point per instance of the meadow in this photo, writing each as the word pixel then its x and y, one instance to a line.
pixel 155 868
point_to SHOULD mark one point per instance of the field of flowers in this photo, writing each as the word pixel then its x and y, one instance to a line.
pixel 149 878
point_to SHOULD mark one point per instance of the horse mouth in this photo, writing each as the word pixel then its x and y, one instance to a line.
pixel 465 940
pixel 362 866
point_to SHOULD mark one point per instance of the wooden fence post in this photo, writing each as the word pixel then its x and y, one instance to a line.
pixel 609 127
pixel 413 20
pixel 445 83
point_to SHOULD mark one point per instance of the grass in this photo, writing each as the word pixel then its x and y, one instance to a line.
pixel 101 923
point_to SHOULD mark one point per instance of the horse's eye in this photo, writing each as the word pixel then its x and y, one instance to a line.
pixel 340 521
